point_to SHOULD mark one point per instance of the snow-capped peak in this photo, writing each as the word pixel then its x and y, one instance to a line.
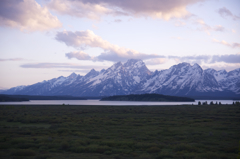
pixel 103 70
pixel 196 66
pixel 92 73
pixel 183 64
pixel 133 62
pixel 73 75
pixel 115 66
pixel 210 70
pixel 222 72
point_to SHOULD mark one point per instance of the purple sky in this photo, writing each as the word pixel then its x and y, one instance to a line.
pixel 44 39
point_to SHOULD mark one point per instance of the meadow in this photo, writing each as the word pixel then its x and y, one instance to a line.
pixel 119 132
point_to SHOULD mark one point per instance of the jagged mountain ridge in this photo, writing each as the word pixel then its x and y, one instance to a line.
pixel 133 77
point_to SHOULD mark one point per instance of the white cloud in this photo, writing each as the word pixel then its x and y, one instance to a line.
pixel 179 23
pixel 59 65
pixel 94 9
pixel 233 45
pixel 85 39
pixel 221 66
pixel 12 59
pixel 117 20
pixel 78 9
pixel 27 15
pixel 224 12
pixel 156 61
pixel 81 71
pixel 80 55
pixel 207 59
pixel 207 28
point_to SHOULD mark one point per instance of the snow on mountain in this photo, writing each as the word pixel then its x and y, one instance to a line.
pixel 133 77
pixel 219 75
pixel 232 81
pixel 91 74
pixel 179 78
pixel 119 78
pixel 14 89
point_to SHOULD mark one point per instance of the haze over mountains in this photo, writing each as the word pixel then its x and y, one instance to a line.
pixel 133 77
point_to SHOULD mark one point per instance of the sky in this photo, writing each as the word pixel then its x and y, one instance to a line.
pixel 45 39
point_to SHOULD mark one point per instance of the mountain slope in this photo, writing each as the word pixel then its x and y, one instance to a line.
pixel 181 79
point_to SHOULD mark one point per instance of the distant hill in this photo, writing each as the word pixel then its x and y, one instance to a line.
pixel 27 97
pixel 6 98
pixel 148 97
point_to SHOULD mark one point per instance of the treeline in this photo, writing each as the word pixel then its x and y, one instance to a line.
pixel 217 103
pixel 148 97
pixel 7 98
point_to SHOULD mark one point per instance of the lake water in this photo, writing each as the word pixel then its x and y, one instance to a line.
pixel 102 103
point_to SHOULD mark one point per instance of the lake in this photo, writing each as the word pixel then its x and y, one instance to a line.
pixel 102 103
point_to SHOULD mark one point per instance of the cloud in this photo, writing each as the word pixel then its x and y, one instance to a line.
pixel 26 15
pixel 218 28
pixel 221 66
pixel 179 23
pixel 117 20
pixel 233 45
pixel 205 27
pixel 85 71
pixel 156 61
pixel 82 39
pixel 80 55
pixel 232 58
pixel 111 52
pixel 224 12
pixel 78 8
pixel 191 59
pixel 12 59
pixel 94 9
pixel 59 65
pixel 94 26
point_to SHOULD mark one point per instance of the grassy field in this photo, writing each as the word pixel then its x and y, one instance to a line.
pixel 119 132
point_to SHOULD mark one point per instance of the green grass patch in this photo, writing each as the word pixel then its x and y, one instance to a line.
pixel 111 132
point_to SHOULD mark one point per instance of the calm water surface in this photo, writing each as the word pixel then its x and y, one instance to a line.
pixel 102 103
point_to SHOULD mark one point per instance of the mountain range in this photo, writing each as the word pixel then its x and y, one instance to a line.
pixel 133 77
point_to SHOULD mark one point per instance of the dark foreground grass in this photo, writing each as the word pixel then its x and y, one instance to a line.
pixel 111 132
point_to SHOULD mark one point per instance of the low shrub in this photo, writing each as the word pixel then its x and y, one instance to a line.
pixel 63 131
pixel 185 147
pixel 210 155
pixel 165 153
pixel 153 150
pixel 23 152
pixel 26 145
pixel 42 156
pixel 94 137
pixel 64 146
pixel 4 145
pixel 18 141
